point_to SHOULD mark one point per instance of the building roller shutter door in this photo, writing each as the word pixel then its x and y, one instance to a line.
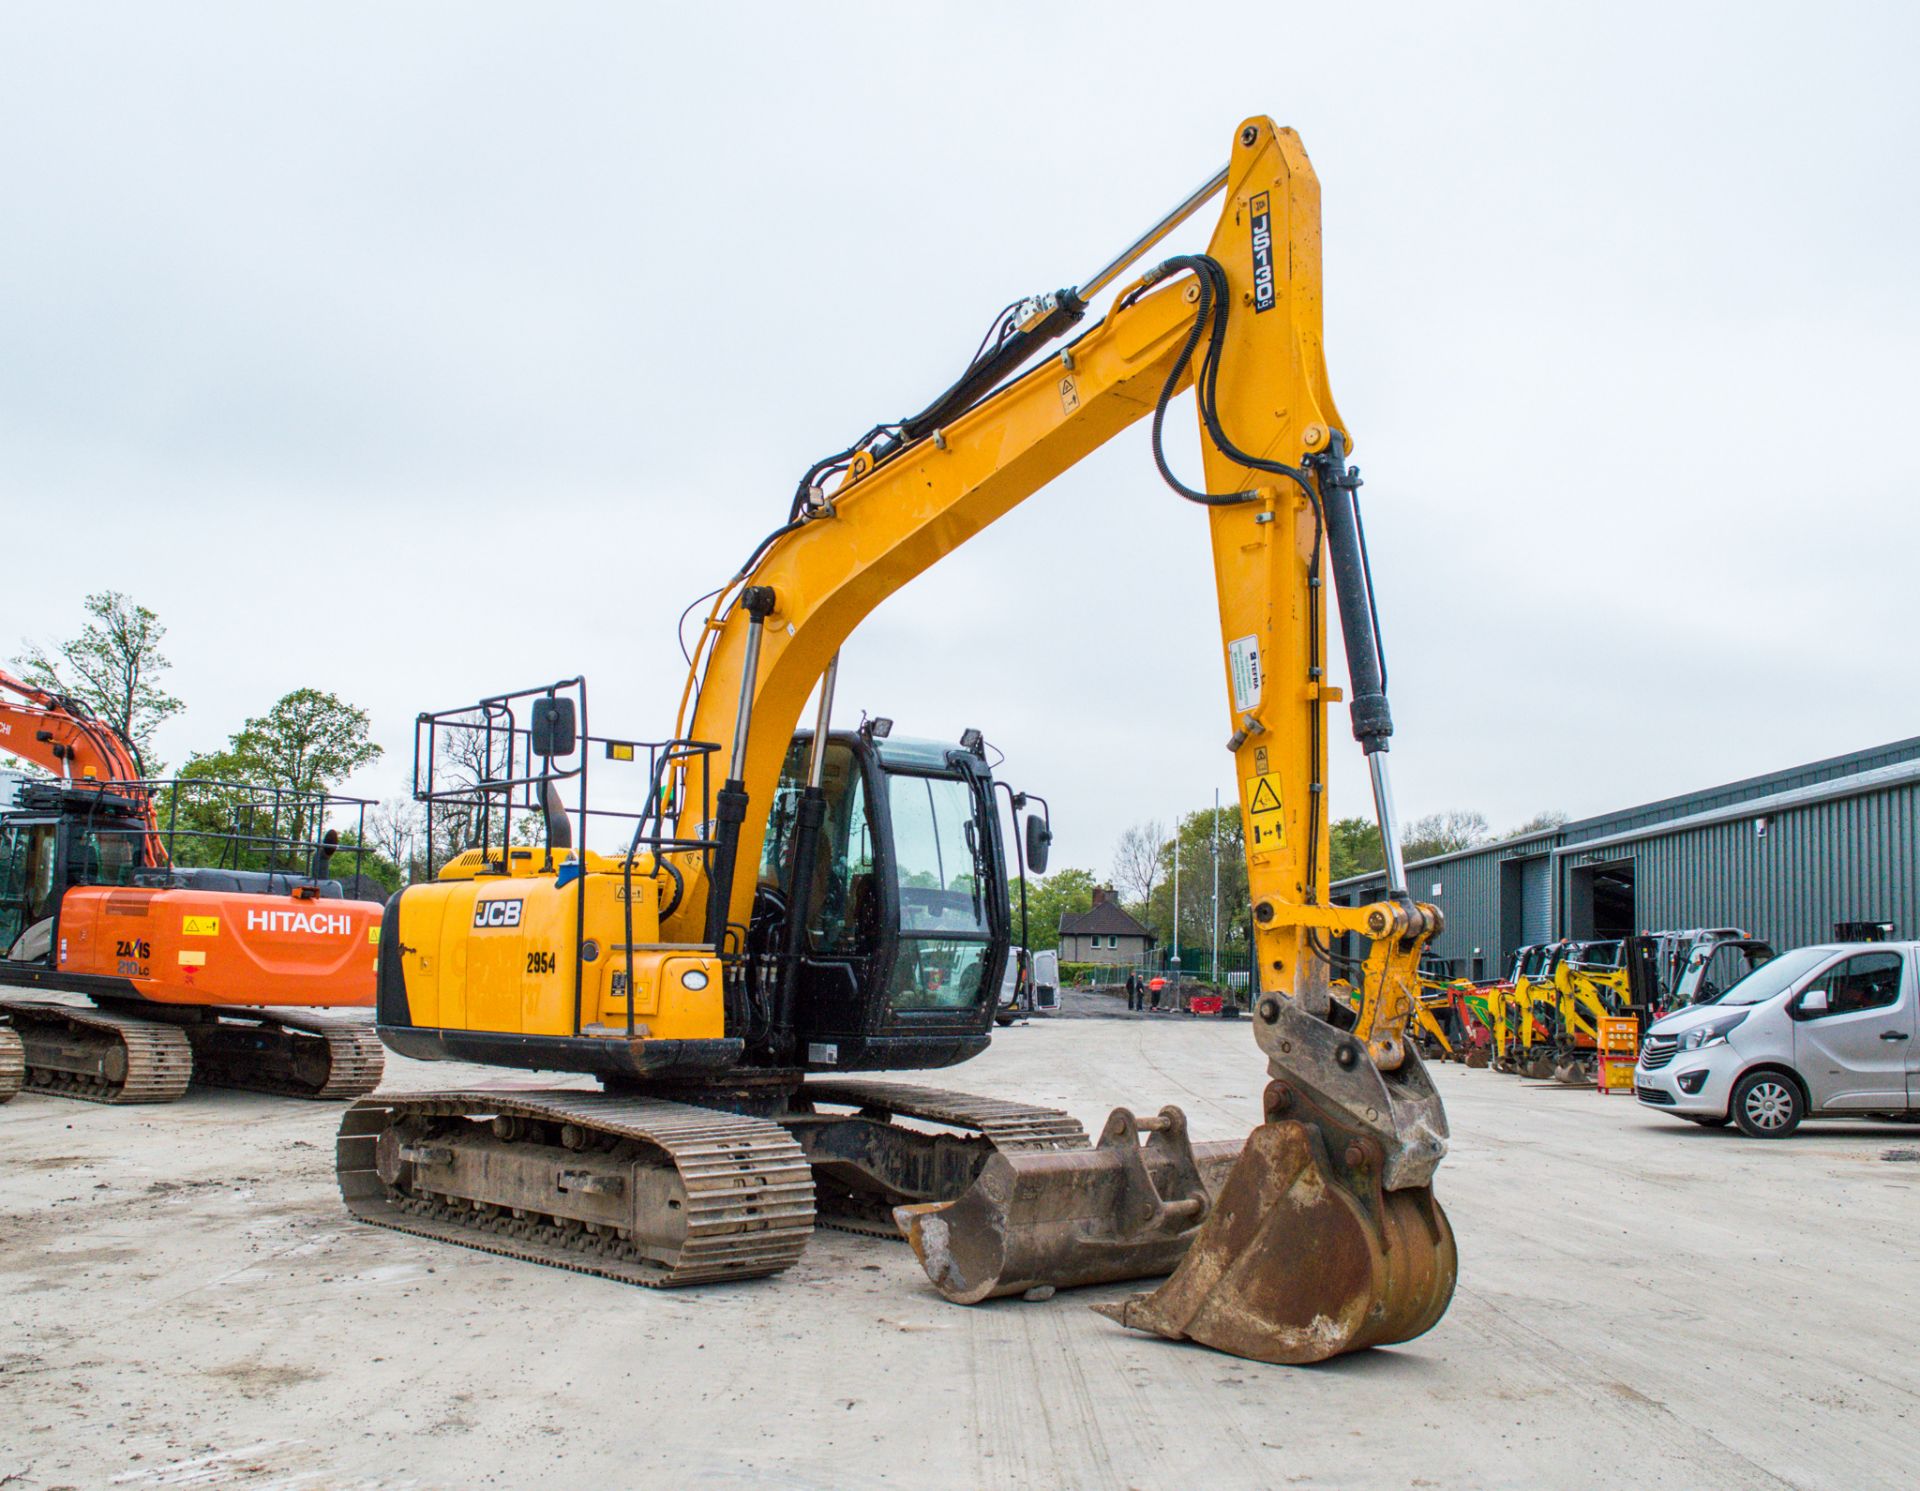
pixel 1536 899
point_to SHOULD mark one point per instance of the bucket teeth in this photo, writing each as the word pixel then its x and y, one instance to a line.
pixel 1297 1262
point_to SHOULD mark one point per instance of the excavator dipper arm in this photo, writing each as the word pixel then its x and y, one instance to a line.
pixel 61 734
pixel 1325 1236
pixel 66 738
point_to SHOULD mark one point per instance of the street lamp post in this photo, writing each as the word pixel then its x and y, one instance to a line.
pixel 1176 907
pixel 1216 887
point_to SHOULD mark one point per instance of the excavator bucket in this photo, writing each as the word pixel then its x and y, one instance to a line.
pixel 1321 1237
pixel 1277 1253
pixel 1302 1259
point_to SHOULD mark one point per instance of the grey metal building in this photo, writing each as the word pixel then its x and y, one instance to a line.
pixel 1789 856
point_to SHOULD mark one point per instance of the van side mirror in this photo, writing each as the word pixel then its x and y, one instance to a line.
pixel 1039 841
pixel 553 727
pixel 1814 1002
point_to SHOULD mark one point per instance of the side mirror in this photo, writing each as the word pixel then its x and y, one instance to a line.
pixel 1039 841
pixel 553 727
pixel 1814 1002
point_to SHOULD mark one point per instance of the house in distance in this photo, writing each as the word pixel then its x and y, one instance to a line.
pixel 1103 933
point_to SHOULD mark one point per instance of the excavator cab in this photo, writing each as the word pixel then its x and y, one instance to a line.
pixel 59 839
pixel 543 943
pixel 906 922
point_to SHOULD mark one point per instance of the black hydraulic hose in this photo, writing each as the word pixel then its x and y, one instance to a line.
pixel 1200 325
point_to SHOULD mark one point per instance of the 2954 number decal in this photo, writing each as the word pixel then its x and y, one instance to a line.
pixel 542 963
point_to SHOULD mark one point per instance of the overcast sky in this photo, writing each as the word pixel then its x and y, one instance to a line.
pixel 416 352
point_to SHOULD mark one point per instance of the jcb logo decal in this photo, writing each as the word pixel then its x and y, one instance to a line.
pixel 1262 255
pixel 496 913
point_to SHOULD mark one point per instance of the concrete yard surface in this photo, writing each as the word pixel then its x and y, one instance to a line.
pixel 183 1302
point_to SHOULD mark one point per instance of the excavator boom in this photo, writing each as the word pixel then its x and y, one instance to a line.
pixel 1242 325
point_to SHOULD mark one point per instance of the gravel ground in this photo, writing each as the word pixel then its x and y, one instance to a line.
pixel 184 1303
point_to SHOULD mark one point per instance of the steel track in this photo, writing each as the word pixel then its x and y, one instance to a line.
pixel 13 1064
pixel 355 1059
pixel 158 1061
pixel 749 1190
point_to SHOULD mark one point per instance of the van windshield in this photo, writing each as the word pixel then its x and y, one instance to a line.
pixel 1770 979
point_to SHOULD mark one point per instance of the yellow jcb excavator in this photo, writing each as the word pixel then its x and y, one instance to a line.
pixel 796 910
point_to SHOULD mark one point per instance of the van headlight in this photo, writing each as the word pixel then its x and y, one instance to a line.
pixel 1713 1033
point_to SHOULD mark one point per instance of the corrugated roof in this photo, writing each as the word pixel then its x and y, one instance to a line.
pixel 1815 781
pixel 1857 785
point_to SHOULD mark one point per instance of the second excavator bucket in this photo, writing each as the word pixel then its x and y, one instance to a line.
pixel 1054 1218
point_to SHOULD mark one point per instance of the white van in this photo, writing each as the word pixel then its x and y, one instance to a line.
pixel 1041 996
pixel 1819 1032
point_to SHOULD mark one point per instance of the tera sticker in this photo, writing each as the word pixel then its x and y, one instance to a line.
pixel 1243 666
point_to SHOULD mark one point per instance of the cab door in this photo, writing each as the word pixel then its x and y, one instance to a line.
pixel 28 893
pixel 1855 1054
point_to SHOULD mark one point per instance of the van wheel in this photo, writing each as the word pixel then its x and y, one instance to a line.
pixel 1767 1105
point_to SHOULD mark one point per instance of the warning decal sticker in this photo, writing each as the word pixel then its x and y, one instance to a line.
pixel 200 926
pixel 1243 666
pixel 1266 820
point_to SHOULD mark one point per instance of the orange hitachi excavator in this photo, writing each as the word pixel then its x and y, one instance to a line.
pixel 97 898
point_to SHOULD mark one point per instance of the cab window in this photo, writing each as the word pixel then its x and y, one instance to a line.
pixel 842 905
pixel 1724 967
pixel 1866 981
pixel 108 858
pixel 942 879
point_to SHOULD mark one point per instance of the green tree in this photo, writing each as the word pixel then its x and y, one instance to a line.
pixel 1062 893
pixel 361 868
pixel 266 786
pixel 1196 833
pixel 309 742
pixel 1356 847
pixel 113 667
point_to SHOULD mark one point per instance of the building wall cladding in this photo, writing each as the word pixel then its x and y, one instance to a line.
pixel 1469 897
pixel 1849 858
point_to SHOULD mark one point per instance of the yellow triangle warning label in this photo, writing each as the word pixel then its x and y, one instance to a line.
pixel 1266 824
